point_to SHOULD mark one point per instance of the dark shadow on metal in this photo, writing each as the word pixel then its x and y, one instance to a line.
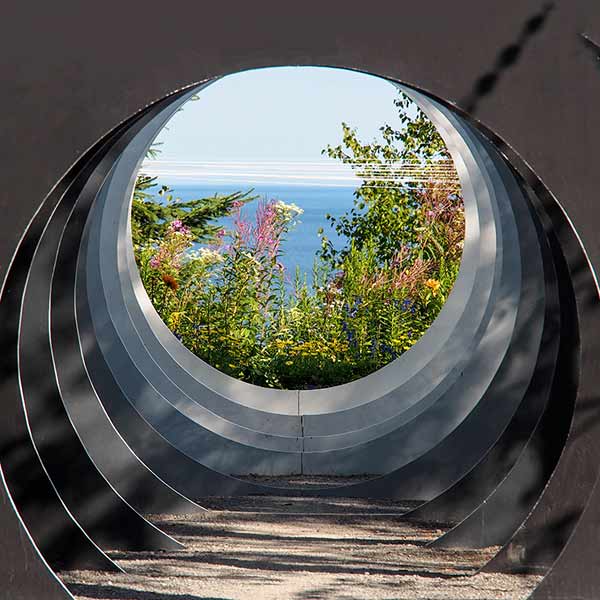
pixel 109 521
pixel 562 524
pixel 35 471
pixel 499 515
pixel 466 494
pixel 507 57
pixel 135 483
pixel 21 565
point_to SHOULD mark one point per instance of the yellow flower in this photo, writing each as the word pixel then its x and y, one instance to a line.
pixel 289 362
pixel 232 366
pixel 433 285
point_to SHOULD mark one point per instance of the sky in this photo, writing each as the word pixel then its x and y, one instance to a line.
pixel 268 126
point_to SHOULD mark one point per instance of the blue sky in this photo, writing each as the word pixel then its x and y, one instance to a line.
pixel 270 125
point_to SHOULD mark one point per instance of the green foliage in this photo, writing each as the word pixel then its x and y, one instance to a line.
pixel 387 208
pixel 150 217
pixel 369 301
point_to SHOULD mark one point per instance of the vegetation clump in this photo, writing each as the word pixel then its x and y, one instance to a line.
pixel 232 303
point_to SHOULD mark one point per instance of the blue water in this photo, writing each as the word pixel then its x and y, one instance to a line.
pixel 303 242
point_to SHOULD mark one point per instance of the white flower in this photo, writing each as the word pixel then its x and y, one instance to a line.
pixel 210 257
pixel 287 211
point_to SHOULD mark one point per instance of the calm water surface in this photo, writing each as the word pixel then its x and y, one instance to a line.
pixel 303 242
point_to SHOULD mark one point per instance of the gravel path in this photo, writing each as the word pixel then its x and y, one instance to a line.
pixel 276 548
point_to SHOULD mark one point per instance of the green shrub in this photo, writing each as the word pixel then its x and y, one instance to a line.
pixel 369 301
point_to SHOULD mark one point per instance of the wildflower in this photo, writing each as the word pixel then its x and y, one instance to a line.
pixel 289 362
pixel 210 257
pixel 177 226
pixel 154 262
pixel 287 211
pixel 170 282
pixel 406 304
pixel 267 231
pixel 433 285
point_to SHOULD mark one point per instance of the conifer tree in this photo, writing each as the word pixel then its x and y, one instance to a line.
pixel 151 212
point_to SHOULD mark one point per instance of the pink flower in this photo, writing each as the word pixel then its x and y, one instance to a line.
pixel 154 262
pixel 269 229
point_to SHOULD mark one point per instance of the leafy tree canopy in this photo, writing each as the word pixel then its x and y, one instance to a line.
pixel 386 209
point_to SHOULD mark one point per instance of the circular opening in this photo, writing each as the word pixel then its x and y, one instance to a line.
pixel 298 228
pixel 239 429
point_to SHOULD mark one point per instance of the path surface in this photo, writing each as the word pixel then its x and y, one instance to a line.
pixel 275 548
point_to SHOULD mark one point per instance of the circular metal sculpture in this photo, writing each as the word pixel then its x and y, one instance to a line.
pixel 489 420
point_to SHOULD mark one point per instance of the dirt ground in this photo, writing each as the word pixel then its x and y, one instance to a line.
pixel 278 548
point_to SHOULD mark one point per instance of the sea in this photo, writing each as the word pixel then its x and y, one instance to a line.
pixel 303 242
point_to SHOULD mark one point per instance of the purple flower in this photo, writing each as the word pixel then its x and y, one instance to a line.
pixel 177 226
pixel 154 262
